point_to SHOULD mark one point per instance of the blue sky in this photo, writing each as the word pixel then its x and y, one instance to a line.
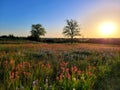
pixel 17 16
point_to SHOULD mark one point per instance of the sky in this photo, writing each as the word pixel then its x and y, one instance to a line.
pixel 17 16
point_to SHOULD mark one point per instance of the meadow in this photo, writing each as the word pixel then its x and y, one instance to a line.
pixel 42 66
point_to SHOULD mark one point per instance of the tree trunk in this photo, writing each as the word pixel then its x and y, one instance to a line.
pixel 71 39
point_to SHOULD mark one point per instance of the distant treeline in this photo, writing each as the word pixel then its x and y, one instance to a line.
pixel 11 37
pixel 114 41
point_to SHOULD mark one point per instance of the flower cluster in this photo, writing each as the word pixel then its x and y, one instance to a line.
pixel 20 70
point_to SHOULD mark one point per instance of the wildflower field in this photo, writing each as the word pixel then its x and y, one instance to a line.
pixel 59 67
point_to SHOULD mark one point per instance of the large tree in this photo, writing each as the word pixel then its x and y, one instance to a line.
pixel 37 31
pixel 71 29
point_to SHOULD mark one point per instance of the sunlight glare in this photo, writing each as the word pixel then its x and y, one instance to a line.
pixel 107 28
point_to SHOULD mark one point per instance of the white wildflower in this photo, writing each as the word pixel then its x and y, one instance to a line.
pixel 83 78
pixel 35 82
pixel 74 79
pixel 73 88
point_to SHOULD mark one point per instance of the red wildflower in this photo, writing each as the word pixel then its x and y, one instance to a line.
pixel 48 65
pixel 67 70
pixel 68 75
pixel 79 72
pixel 12 74
pixel 74 69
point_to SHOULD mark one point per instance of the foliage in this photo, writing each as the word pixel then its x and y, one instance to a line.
pixel 71 29
pixel 37 31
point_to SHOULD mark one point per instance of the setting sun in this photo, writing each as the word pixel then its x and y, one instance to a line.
pixel 107 28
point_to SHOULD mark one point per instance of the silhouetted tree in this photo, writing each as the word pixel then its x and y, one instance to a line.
pixel 71 29
pixel 11 36
pixel 37 31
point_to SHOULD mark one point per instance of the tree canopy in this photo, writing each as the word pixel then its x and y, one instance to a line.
pixel 71 29
pixel 37 31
